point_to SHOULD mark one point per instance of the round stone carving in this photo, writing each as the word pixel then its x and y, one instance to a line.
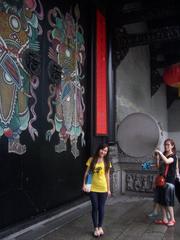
pixel 138 134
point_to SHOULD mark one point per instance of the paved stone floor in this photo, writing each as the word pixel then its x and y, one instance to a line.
pixel 125 219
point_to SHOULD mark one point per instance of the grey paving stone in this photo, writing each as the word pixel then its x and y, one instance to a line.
pixel 152 236
pixel 69 233
pixel 170 234
pixel 84 220
pixel 124 220
pixel 115 227
pixel 157 228
pixel 136 230
pixel 124 237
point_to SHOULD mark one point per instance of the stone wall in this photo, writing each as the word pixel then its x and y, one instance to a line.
pixel 133 88
pixel 133 94
pixel 174 123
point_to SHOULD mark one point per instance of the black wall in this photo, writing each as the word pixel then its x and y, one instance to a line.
pixel 41 179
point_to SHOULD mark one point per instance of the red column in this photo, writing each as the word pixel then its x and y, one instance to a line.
pixel 101 76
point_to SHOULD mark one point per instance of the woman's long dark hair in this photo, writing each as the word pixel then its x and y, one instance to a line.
pixel 172 144
pixel 96 156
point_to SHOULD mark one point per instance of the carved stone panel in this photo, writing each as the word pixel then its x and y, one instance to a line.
pixel 138 181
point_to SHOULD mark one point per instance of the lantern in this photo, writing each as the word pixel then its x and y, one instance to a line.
pixel 171 76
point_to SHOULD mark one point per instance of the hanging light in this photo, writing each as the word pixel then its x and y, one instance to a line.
pixel 171 76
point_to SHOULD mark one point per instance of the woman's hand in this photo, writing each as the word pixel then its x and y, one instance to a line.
pixel 157 151
pixel 84 188
pixel 109 193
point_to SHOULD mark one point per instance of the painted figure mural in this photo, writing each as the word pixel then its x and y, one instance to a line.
pixel 19 69
pixel 67 57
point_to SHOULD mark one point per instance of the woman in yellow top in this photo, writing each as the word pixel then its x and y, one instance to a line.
pixel 100 166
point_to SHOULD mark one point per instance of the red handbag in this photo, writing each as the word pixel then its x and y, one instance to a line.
pixel 160 180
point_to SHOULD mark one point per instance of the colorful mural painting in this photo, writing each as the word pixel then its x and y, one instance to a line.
pixel 67 58
pixel 19 69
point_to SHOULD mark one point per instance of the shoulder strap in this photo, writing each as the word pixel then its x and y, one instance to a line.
pixel 177 166
pixel 166 170
pixel 177 162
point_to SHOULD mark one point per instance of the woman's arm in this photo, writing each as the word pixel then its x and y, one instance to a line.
pixel 108 183
pixel 164 158
pixel 157 160
pixel 177 168
pixel 84 179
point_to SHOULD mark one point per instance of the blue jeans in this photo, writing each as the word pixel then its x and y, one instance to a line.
pixel 98 200
pixel 165 196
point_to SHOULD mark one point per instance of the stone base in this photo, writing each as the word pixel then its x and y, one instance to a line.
pixel 128 177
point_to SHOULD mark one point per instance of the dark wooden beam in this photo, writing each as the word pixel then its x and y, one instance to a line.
pixel 146 11
pixel 156 80
pixel 164 34
pixel 163 64
pixel 122 41
pixel 172 95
